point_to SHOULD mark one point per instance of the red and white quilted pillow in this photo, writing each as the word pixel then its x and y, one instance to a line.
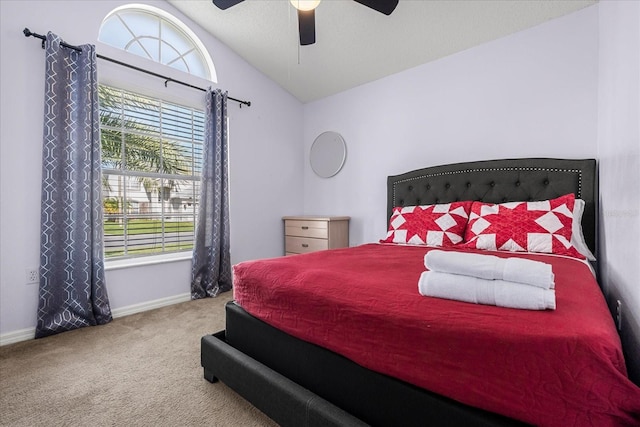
pixel 431 225
pixel 542 226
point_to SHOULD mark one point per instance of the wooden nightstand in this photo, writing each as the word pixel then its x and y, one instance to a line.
pixel 304 234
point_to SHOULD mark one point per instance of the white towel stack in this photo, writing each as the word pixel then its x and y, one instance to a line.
pixel 488 279
pixel 491 267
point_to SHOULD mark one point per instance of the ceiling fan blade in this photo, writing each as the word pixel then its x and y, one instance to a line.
pixel 382 6
pixel 307 27
pixel 226 4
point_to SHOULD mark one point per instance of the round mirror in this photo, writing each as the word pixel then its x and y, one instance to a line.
pixel 328 153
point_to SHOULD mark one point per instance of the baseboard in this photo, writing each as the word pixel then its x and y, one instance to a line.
pixel 17 336
pixel 150 305
pixel 30 333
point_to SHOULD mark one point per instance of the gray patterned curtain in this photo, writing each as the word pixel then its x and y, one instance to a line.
pixel 72 286
pixel 211 268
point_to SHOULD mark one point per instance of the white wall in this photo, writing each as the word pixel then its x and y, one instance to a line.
pixel 619 154
pixel 533 93
pixel 266 161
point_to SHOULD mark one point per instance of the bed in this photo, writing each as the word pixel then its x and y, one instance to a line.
pixel 344 360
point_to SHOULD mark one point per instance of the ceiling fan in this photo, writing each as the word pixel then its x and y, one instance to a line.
pixel 306 13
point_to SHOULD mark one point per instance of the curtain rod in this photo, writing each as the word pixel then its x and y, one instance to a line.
pixel 28 33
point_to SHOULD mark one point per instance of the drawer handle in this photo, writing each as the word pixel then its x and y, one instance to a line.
pixel 304 245
pixel 304 227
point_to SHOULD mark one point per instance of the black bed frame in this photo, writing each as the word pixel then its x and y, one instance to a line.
pixel 300 384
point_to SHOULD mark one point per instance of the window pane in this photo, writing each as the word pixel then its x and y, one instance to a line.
pixel 137 49
pixel 115 33
pixel 150 202
pixel 196 64
pixel 176 38
pixel 143 153
pixel 178 122
pixel 111 141
pixel 151 46
pixel 180 65
pixel 113 201
pixel 150 34
pixel 158 217
pixel 110 106
pixel 175 160
pixel 169 55
pixel 141 114
pixel 141 23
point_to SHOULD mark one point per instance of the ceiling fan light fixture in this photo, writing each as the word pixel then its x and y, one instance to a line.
pixel 305 5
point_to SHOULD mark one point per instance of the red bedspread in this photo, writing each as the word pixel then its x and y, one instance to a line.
pixel 553 368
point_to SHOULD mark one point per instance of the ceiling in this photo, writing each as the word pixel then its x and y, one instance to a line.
pixel 355 44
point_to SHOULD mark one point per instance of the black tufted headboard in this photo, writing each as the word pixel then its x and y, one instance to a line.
pixel 499 181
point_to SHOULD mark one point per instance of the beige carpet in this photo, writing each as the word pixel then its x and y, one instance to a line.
pixel 138 370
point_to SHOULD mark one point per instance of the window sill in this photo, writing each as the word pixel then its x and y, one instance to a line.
pixel 144 261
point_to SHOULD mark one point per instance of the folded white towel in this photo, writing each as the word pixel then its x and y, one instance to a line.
pixel 488 292
pixel 491 267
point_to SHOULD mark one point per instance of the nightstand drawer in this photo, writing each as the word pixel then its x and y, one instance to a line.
pixel 304 234
pixel 302 245
pixel 316 229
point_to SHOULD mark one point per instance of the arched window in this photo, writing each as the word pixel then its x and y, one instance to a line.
pixel 157 35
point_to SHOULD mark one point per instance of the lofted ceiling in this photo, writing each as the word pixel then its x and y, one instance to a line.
pixel 355 44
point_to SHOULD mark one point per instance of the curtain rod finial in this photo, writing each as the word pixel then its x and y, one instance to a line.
pixel 27 32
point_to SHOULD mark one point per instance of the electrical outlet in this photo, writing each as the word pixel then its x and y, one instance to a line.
pixel 619 315
pixel 32 275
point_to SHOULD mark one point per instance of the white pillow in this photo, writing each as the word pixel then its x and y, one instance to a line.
pixel 577 238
